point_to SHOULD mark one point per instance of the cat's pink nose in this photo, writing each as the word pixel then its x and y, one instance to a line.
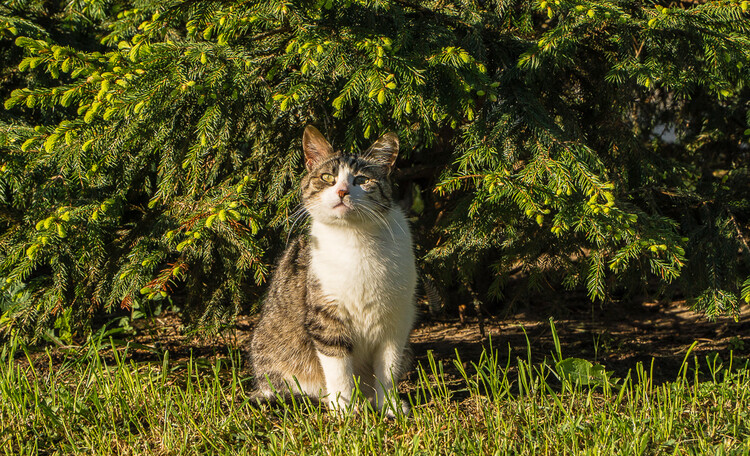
pixel 342 193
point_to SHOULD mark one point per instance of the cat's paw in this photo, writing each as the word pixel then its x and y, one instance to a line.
pixel 340 406
pixel 401 408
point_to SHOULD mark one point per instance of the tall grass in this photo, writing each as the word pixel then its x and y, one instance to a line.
pixel 99 401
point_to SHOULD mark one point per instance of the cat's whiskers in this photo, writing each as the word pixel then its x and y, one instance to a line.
pixel 387 207
pixel 300 209
pixel 301 213
pixel 377 218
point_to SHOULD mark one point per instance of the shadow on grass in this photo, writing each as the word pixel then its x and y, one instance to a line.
pixel 657 337
pixel 619 338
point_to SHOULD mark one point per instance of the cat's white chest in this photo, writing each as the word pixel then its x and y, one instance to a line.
pixel 371 275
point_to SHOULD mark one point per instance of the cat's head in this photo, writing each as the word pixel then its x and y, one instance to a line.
pixel 348 188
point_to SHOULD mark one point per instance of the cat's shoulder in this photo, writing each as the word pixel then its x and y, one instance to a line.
pixel 291 271
pixel 297 253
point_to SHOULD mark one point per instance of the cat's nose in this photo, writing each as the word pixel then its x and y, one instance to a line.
pixel 342 193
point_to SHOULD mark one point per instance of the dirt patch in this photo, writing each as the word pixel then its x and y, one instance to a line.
pixel 617 336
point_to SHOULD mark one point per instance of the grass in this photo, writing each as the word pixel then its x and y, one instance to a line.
pixel 99 401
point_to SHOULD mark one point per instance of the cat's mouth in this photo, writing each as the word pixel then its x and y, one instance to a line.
pixel 341 208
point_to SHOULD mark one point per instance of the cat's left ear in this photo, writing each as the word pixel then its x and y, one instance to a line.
pixel 384 150
pixel 317 148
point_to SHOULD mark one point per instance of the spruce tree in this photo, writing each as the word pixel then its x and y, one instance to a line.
pixel 151 149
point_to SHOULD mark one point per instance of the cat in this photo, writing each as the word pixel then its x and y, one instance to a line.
pixel 341 301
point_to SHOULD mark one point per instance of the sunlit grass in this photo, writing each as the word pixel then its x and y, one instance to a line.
pixel 99 401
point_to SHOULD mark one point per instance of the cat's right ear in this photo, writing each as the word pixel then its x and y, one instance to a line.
pixel 317 148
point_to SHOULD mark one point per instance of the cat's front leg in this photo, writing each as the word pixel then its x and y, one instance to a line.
pixel 387 371
pixel 333 345
pixel 339 379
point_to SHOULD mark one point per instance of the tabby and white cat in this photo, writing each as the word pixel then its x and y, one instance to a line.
pixel 341 302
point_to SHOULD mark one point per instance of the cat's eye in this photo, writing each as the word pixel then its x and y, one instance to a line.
pixel 359 180
pixel 328 178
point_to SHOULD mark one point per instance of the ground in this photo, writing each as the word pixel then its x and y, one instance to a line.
pixel 191 403
pixel 617 336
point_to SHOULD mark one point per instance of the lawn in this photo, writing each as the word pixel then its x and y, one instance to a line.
pixel 99 399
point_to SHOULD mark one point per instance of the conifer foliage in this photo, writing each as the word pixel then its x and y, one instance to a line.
pixel 151 149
